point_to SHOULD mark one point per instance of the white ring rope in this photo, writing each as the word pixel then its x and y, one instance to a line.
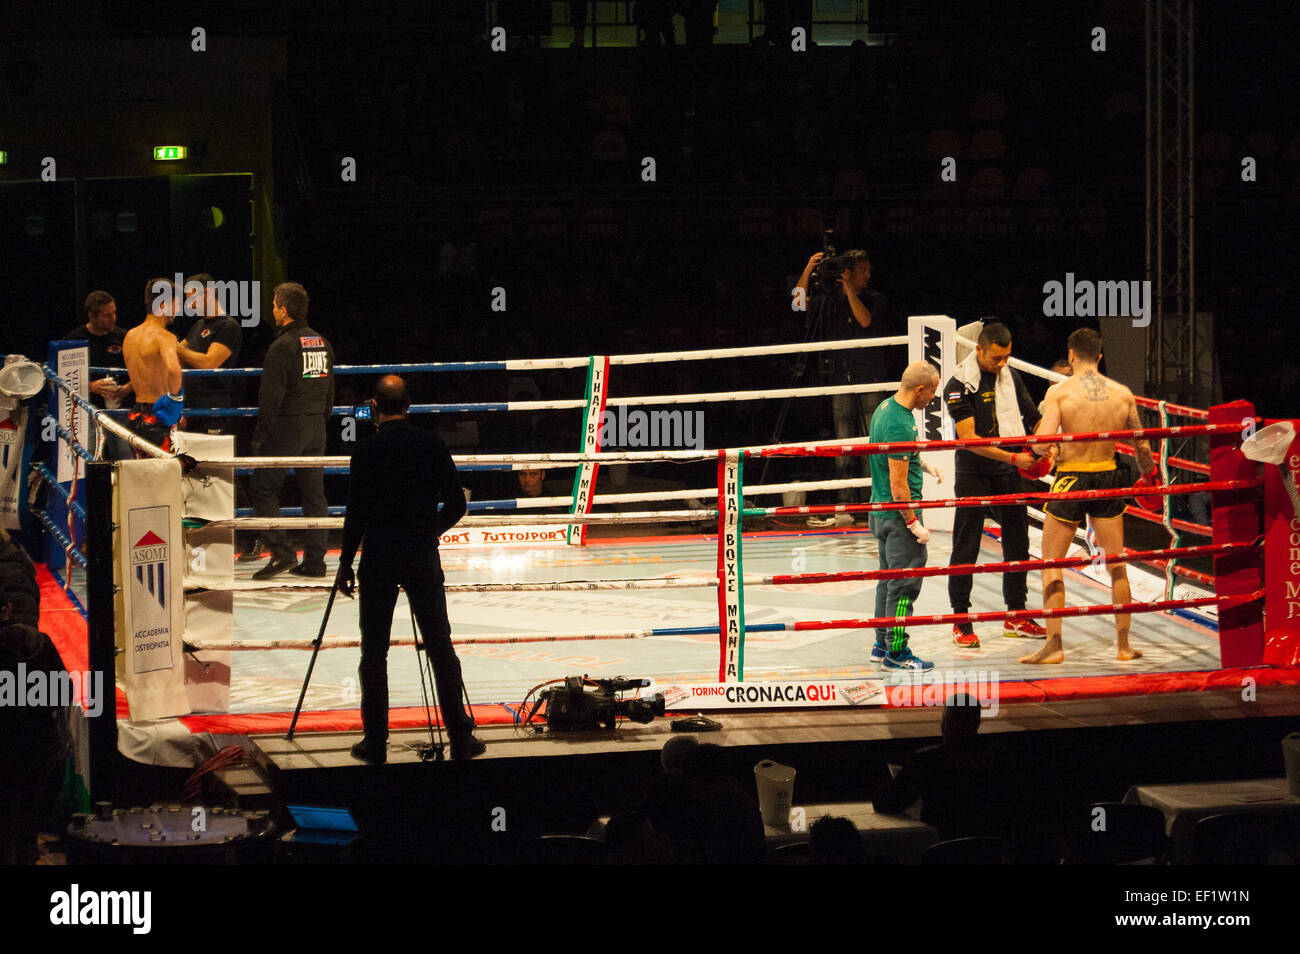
pixel 665 583
pixel 706 397
pixel 352 642
pixel 754 350
pixel 516 518
pixel 106 423
pixel 531 461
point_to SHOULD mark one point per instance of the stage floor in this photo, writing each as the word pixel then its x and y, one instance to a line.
pixel 269 680
pixel 330 750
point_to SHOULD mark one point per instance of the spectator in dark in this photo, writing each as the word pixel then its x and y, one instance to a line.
pixel 965 784
pixel 835 841
pixel 18 581
pixel 31 741
pixel 698 15
pixel 776 23
pixel 578 18
pixel 655 19
pixel 104 339
pixel 666 799
pixel 720 821
pixel 631 839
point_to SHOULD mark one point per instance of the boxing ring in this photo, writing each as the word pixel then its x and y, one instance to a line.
pixel 725 603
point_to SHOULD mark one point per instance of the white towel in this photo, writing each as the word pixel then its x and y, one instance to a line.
pixel 1010 423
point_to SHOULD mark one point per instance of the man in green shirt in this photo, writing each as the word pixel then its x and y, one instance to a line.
pixel 900 535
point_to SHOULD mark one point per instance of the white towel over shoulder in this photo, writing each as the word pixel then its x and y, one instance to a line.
pixel 1010 423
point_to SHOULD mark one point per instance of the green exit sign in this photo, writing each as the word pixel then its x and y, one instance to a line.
pixel 4 157
pixel 168 153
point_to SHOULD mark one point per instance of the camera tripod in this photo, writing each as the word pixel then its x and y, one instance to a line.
pixel 433 750
pixel 816 314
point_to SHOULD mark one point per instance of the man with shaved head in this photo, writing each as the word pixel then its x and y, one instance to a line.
pixel 900 535
pixel 399 476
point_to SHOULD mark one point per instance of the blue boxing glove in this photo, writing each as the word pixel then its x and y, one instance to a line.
pixel 169 408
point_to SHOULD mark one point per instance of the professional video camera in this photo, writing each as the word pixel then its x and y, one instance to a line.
pixel 583 703
pixel 825 277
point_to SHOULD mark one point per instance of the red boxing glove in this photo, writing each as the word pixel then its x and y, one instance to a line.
pixel 1156 503
pixel 1041 468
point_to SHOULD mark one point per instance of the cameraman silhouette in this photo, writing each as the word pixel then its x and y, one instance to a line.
pixel 833 286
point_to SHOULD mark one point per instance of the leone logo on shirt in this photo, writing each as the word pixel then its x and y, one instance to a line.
pixel 315 364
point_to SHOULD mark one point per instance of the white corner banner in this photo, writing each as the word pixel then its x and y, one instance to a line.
pixel 74 369
pixel 13 429
pixel 933 338
pixel 150 572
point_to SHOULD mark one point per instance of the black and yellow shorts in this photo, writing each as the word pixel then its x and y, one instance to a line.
pixel 1088 475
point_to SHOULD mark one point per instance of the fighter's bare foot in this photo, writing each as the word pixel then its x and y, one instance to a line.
pixel 1128 652
pixel 1045 656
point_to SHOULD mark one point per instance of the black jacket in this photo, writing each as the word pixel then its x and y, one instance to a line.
pixel 29 733
pixel 297 378
pixel 18 583
pixel 399 475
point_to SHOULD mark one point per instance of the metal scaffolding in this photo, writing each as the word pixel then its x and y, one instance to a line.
pixel 1172 354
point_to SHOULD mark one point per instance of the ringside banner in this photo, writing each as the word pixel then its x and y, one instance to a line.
pixel 150 571
pixel 933 338
pixel 1282 564
pixel 772 695
pixel 13 429
pixel 73 366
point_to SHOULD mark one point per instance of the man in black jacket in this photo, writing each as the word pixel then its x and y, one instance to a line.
pixel 295 400
pixel 398 478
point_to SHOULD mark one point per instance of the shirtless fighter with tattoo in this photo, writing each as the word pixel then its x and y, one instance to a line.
pixel 1088 401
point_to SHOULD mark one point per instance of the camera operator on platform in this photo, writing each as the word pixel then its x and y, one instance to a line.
pixel 833 293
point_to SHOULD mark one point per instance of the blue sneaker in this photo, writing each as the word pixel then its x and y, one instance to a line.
pixel 878 652
pixel 907 662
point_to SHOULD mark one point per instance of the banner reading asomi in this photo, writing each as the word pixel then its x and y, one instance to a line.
pixel 151 554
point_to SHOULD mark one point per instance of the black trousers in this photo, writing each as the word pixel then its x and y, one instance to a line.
pixel 420 574
pixel 300 435
pixel 968 528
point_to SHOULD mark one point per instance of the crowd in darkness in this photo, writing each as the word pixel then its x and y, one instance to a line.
pixel 523 171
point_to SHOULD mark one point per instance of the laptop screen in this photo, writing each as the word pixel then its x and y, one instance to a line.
pixel 318 817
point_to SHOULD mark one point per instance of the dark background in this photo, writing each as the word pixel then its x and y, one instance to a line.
pixel 533 158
